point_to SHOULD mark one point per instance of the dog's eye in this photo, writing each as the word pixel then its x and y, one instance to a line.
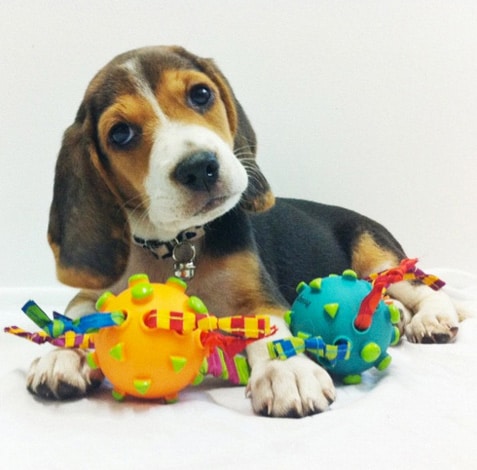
pixel 122 134
pixel 200 96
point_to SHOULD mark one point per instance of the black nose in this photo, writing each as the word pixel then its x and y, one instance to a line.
pixel 198 172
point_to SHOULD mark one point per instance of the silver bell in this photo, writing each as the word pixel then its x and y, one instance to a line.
pixel 184 255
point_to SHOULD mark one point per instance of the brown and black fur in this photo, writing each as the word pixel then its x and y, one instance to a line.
pixel 251 257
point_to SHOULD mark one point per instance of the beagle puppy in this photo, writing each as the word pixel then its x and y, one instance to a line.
pixel 158 175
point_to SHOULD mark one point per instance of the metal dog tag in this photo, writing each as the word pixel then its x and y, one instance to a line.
pixel 184 255
pixel 184 271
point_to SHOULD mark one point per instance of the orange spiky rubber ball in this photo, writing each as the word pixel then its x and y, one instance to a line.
pixel 139 359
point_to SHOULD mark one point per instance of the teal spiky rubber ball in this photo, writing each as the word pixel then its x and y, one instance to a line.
pixel 326 309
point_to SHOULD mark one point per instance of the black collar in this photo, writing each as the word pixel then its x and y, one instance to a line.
pixel 163 249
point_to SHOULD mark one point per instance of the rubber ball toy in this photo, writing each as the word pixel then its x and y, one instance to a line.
pixel 324 319
pixel 152 340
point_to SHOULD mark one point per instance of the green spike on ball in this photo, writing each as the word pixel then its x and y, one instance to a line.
pixel 384 364
pixel 370 352
pixel 119 396
pixel 117 352
pixel 197 305
pixel 180 282
pixel 142 385
pixel 350 275
pixel 331 309
pixel 102 300
pixel 396 336
pixel 395 314
pixel 300 287
pixel 352 379
pixel 315 284
pixel 178 363
pixel 135 278
pixel 142 291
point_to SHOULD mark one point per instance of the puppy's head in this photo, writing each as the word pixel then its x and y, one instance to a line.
pixel 159 145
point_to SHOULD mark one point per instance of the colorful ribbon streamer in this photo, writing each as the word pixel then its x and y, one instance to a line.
pixel 288 347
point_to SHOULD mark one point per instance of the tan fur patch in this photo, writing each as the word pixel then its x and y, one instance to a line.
pixel 172 92
pixel 368 257
pixel 82 279
pixel 260 203
pixel 232 285
pixel 130 166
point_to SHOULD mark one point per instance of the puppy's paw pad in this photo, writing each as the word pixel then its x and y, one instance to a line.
pixel 440 338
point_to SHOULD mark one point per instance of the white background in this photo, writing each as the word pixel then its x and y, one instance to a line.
pixel 366 104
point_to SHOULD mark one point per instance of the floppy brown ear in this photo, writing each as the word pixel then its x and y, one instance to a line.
pixel 88 231
pixel 258 196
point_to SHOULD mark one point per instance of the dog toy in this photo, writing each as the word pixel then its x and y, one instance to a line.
pixel 343 322
pixel 153 340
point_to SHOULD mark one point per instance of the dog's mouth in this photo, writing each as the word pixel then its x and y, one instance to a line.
pixel 197 212
pixel 211 204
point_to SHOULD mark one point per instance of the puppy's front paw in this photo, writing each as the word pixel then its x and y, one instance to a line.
pixel 436 321
pixel 435 318
pixel 293 388
pixel 429 327
pixel 62 374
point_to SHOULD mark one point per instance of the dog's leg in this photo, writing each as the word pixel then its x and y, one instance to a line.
pixel 292 388
pixel 434 319
pixel 64 373
pixel 430 316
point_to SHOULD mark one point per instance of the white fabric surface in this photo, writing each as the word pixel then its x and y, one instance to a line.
pixel 420 413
